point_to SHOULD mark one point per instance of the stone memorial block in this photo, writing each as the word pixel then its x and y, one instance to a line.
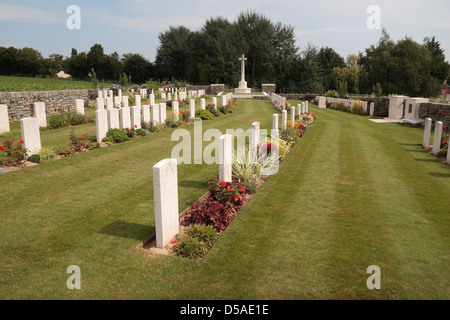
pixel 113 118
pixel 119 93
pixel 225 157
pixel 79 106
pixel 214 103
pixel 4 119
pixel 163 97
pixel 396 107
pixel 283 120
pixel 99 94
pixel 169 96
pixel 427 133
pixel 306 106
pixel 165 191
pixel 437 137
pixel 146 113
pixel 154 115
pixel 364 106
pixel 40 113
pixel 31 135
pixel 125 120
pixel 292 115
pixel 151 98
pixel 101 121
pixel 322 103
pixel 135 117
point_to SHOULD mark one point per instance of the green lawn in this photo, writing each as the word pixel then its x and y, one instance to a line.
pixel 351 194
pixel 18 84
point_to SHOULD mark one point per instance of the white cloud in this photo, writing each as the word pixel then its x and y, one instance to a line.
pixel 13 13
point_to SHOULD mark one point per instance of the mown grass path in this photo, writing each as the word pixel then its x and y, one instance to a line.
pixel 351 194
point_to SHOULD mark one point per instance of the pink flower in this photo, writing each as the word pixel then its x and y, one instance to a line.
pixel 174 240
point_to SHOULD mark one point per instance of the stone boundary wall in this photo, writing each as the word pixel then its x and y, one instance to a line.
pixel 20 104
pixel 217 88
pixel 435 111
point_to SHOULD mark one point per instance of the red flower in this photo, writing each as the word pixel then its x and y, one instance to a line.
pixel 79 138
pixel 128 129
pixel 241 189
pixel 443 127
pixel 135 125
pixel 21 141
pixel 174 240
pixel 223 183
pixel 151 122
pixel 1 148
pixel 445 142
pixel 237 197
pixel 229 189
pixel 269 144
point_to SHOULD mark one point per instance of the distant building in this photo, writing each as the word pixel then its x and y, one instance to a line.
pixel 63 75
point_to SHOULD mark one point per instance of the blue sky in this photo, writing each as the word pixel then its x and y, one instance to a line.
pixel 133 26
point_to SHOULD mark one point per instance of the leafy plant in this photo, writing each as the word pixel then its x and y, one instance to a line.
pixel 204 114
pixel 34 158
pixel 202 233
pixel 210 213
pixel 191 248
pixel 15 150
pixel 117 135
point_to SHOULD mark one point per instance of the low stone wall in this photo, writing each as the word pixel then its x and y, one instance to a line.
pixel 207 88
pixel 20 104
pixel 268 88
pixel 435 111
pixel 217 88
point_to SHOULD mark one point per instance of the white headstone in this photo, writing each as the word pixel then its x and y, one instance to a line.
pixel 31 136
pixel 176 110
pixel 4 119
pixel 283 120
pixel 117 101
pixel 163 97
pixel 154 115
pixel 214 103
pixel 275 122
pixel 113 119
pixel 100 102
pixel 146 113
pixel 137 100
pixel 165 190
pixel 225 157
pixel 162 113
pixel 292 115
pixel 124 101
pixel 306 106
pixel 192 108
pixel 254 139
pixel 109 103
pixel 79 106
pixel 99 94
pixel 40 114
pixel 135 117
pixel 396 107
pixel 151 98
pixel 202 103
pixel 125 120
pixel 427 133
pixel 371 109
pixel 437 138
pixel 101 120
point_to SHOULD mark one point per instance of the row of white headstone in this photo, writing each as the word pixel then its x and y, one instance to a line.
pixel 322 103
pixel 278 101
pixel 165 185
pixel 437 137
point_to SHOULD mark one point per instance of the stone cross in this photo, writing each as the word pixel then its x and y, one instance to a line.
pixel 242 59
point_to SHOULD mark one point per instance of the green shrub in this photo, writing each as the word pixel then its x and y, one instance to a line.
pixel 191 248
pixel 250 186
pixel 66 119
pixel 357 109
pixel 332 94
pixel 141 132
pixel 34 158
pixel 202 233
pixel 118 135
pixel 46 153
pixel 204 114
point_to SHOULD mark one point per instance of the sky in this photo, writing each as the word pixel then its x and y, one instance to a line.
pixel 132 26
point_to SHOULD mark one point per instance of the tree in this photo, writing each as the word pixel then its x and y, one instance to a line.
pixel 136 66
pixel 328 59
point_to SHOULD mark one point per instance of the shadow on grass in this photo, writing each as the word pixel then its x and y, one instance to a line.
pixel 427 160
pixel 440 175
pixel 128 230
